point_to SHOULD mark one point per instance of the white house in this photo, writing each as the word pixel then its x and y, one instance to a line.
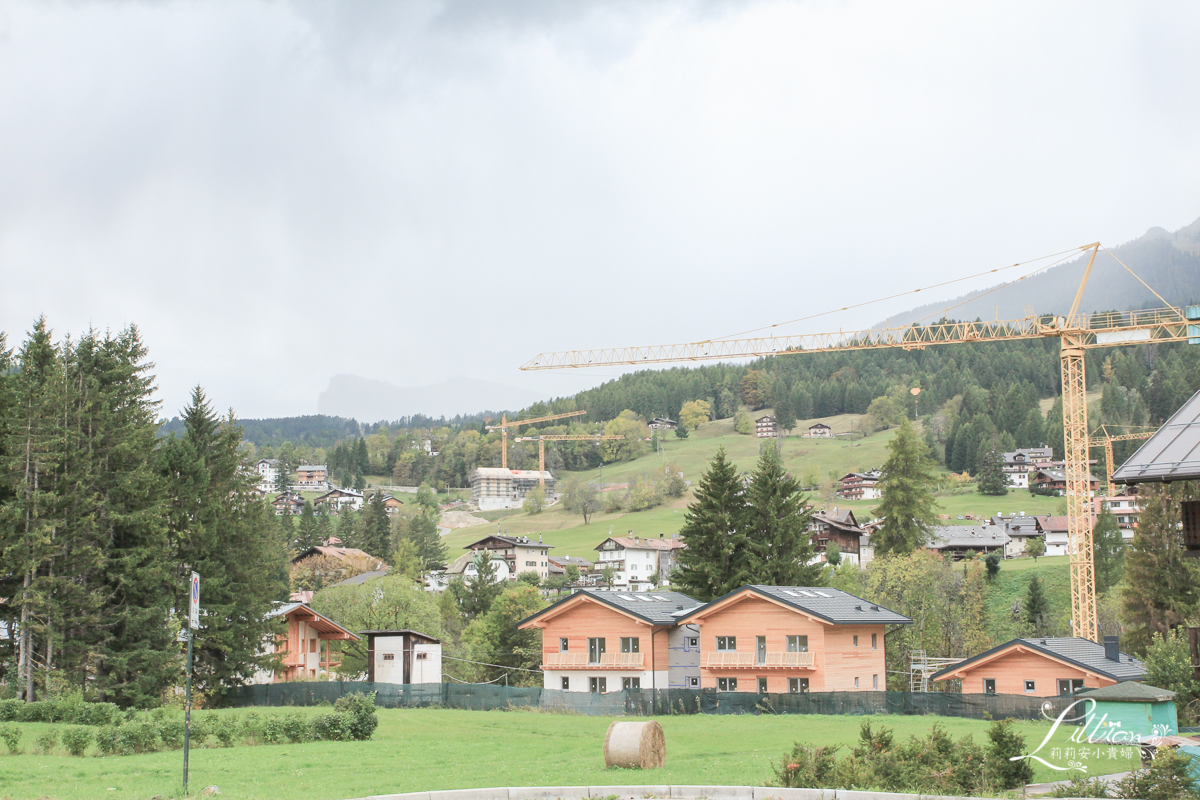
pixel 820 431
pixel 520 553
pixel 636 559
pixel 268 473
pixel 1019 463
pixel 337 499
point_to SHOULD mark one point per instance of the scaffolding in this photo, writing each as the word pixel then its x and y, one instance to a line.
pixel 921 666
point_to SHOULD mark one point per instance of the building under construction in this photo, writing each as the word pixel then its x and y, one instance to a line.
pixel 495 488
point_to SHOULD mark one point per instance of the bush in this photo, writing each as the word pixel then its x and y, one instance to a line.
pixel 330 727
pixel 1005 744
pixel 203 726
pixel 170 731
pixel 227 729
pixel 76 739
pixel 71 709
pixel 359 708
pixel 139 737
pixel 1169 777
pixel 295 727
pixel 1081 787
pixel 9 709
pixel 10 734
pixel 252 727
pixel 46 740
pixel 108 740
pixel 807 767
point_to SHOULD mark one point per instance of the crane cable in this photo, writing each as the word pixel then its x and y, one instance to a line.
pixel 1134 274
pixel 1065 253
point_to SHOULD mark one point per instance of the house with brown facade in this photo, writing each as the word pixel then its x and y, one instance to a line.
pixel 820 431
pixel 860 486
pixel 1044 667
pixel 306 647
pixel 520 552
pixel 313 476
pixel 764 427
pixel 841 528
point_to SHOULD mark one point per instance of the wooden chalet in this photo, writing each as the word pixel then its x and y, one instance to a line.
pixel 306 649
pixel 1044 667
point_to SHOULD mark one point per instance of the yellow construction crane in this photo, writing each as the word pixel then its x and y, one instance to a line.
pixel 559 437
pixel 516 423
pixel 1077 334
pixel 1105 440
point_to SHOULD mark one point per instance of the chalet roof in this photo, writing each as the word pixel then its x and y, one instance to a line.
pixel 819 425
pixel 1171 454
pixel 873 475
pixel 364 577
pixel 842 519
pixel 339 493
pixel 509 541
pixel 765 418
pixel 271 461
pixel 643 543
pixel 341 553
pixel 1028 454
pixel 657 608
pixel 1026 525
pixel 1129 692
pixel 311 468
pixel 1056 524
pixel 1058 474
pixel 1083 653
pixel 402 632
pixel 832 605
pixel 968 536
pixel 315 619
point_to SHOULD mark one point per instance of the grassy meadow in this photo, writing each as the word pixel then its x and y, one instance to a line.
pixel 429 749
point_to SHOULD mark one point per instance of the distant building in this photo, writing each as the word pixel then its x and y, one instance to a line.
pixel 1018 464
pixel 636 559
pixel 495 488
pixel 957 541
pixel 764 427
pixel 466 567
pixel 403 656
pixel 1020 529
pixel 820 431
pixel 268 473
pixel 1126 507
pixel 313 476
pixel 337 499
pixel 860 486
pixel 288 503
pixel 1045 667
pixel 306 648
pixel 520 552
pixel 391 504
pixel 662 424
pixel 1054 530
pixel 841 528
pixel 1052 480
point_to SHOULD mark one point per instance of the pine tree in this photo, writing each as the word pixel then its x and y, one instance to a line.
pixel 324 527
pixel 306 531
pixel 1162 585
pixel 376 527
pixel 775 526
pixel 785 412
pixel 992 480
pixel 475 597
pixel 1108 551
pixel 711 531
pixel 362 460
pixel 348 528
pixel 1035 607
pixel 282 482
pixel 422 530
pixel 908 507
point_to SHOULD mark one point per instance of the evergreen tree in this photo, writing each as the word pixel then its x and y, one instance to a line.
pixel 348 528
pixel 1054 429
pixel 360 482
pixel 1108 551
pixel 219 529
pixel 711 530
pixel 362 461
pixel 282 478
pixel 1162 584
pixel 421 530
pixel 1036 607
pixel 775 527
pixel 992 479
pixel 306 531
pixel 376 527
pixel 475 597
pixel 785 413
pixel 908 507
pixel 324 527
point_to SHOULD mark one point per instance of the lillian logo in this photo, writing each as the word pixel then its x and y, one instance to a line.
pixel 1095 738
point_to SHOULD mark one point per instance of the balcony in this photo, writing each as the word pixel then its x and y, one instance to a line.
pixel 734 660
pixel 580 661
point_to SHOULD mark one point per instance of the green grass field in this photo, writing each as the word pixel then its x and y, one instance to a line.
pixel 428 749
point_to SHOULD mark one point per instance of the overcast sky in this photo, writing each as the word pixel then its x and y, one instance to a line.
pixel 276 192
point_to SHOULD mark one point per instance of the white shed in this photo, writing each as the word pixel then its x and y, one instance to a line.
pixel 403 656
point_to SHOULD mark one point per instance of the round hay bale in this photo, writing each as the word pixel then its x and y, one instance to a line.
pixel 635 745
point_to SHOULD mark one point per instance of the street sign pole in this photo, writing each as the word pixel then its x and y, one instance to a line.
pixel 193 623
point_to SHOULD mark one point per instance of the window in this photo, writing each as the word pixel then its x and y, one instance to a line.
pixel 989 685
pixel 726 684
pixel 629 644
pixel 760 649
pixel 875 682
pixel 566 684
pixel 762 685
pixel 693 641
pixel 1069 685
pixel 598 685
pixel 856 680
pixel 422 656
pixel 531 563
pixel 389 656
pixel 727 643
pixel 633 566
pixel 874 641
pixel 797 685
pixel 797 644
pixel 631 683
pixel 693 682
pixel 1030 687
pixel 562 645
pixel 856 641
pixel 595 650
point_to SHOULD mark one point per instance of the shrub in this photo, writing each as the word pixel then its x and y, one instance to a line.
pixel 1005 743
pixel 1081 787
pixel 226 729
pixel 252 727
pixel 9 709
pixel 1169 777
pixel 76 739
pixel 170 731
pixel 807 767
pixel 295 727
pixel 108 740
pixel 46 740
pixel 359 708
pixel 273 731
pixel 330 727
pixel 139 737
pixel 202 726
pixel 10 733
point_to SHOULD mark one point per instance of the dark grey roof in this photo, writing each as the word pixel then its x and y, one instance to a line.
pixel 968 536
pixel 1130 692
pixel 832 605
pixel 1084 653
pixel 361 578
pixel 1020 525
pixel 511 541
pixel 658 608
pixel 1171 454
pixel 401 632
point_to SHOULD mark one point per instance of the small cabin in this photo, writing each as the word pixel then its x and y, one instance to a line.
pixel 1130 713
pixel 403 656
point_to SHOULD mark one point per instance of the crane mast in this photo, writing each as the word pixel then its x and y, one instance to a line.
pixel 1076 333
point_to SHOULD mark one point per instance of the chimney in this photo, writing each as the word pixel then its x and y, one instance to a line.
pixel 1111 653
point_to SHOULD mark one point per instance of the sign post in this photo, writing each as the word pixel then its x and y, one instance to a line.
pixel 193 624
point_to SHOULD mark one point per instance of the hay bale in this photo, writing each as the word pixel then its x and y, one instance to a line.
pixel 635 745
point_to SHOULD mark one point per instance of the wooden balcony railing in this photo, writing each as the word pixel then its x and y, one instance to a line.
pixel 580 661
pixel 734 660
